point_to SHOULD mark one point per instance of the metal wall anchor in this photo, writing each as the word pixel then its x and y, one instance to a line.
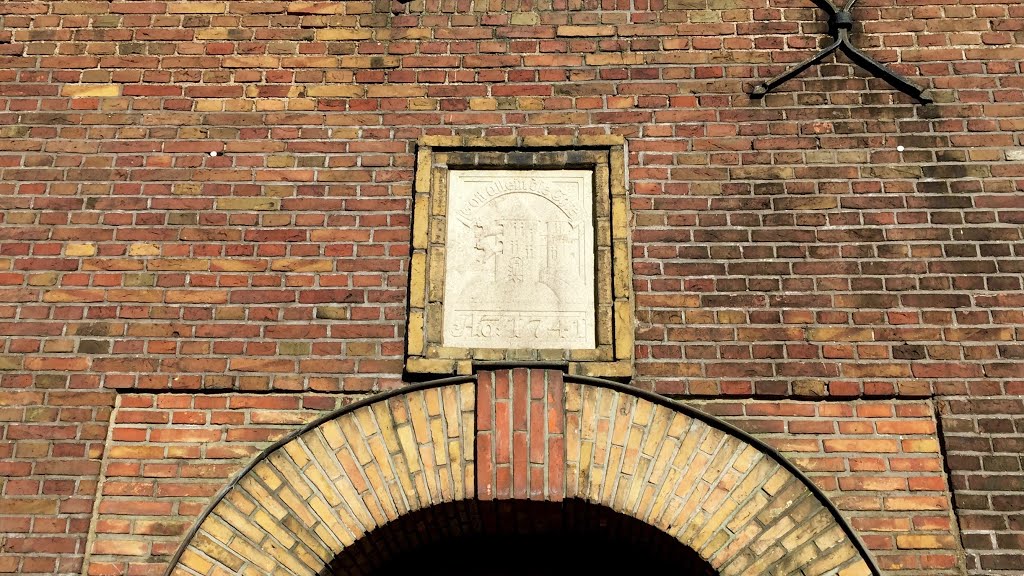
pixel 840 22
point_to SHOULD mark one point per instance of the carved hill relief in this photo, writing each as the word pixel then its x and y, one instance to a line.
pixel 519 270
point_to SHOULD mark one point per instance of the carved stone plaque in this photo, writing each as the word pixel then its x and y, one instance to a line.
pixel 519 264
pixel 520 253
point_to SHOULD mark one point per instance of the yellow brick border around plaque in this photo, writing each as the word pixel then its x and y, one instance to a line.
pixel 605 156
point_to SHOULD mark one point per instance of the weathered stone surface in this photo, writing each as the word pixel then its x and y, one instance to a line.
pixel 519 271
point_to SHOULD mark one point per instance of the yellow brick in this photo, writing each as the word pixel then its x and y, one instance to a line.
pixel 91 90
pixel 467 403
pixel 433 325
pixel 809 387
pixel 430 366
pixel 216 527
pixel 79 7
pixel 802 557
pixel 14 217
pixel 210 105
pixel 187 188
pixel 248 204
pixel 362 522
pixel 232 265
pixel 216 33
pixel 328 34
pixel 585 31
pixel 621 271
pixel 624 329
pixel 483 104
pixel 438 202
pixel 422 104
pixel 491 141
pixel 604 321
pixel 143 249
pixel 440 141
pixel 131 295
pixel 808 528
pixel 192 559
pixel 750 508
pixel 549 355
pixel 334 91
pixel 922 445
pixel 777 481
pixel 270 105
pixel 316 8
pixel 449 407
pixel 30 506
pixel 925 542
pixel 529 103
pixel 435 280
pixel 421 222
pixel 43 279
pixel 603 140
pixel 620 218
pixel 525 19
pixel 415 337
pixel 418 417
pixel 550 140
pixel 332 312
pixel 424 157
pixel 333 435
pixel 197 296
pixel 293 473
pixel 253 555
pixel 192 7
pixel 601 369
pixel 380 489
pixel 418 274
pixel 828 562
pixel 301 265
pixel 280 161
pixel 182 264
pixel 250 62
pixel 80 249
pixel 371 62
pixel 310 62
pixel 395 91
pixel 860 568
pixel 71 295
pixel 614 59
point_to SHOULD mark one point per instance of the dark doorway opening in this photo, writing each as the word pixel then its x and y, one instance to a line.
pixel 515 538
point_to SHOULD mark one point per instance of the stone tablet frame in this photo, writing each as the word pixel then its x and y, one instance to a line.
pixel 612 356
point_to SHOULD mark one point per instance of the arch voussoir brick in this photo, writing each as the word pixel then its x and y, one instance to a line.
pixel 518 435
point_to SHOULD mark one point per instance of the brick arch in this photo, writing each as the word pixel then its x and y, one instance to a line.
pixel 519 435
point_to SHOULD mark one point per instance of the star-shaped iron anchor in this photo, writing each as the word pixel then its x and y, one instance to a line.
pixel 840 23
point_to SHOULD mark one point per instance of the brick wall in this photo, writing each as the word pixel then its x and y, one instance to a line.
pixel 53 437
pixel 587 452
pixel 169 454
pixel 878 460
pixel 984 448
pixel 783 248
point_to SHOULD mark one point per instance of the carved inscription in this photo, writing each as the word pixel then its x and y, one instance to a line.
pixel 519 271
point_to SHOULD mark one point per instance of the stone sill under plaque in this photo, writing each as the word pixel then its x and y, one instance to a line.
pixel 520 254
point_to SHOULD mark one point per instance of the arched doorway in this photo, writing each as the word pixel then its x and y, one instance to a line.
pixel 515 438
pixel 516 537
